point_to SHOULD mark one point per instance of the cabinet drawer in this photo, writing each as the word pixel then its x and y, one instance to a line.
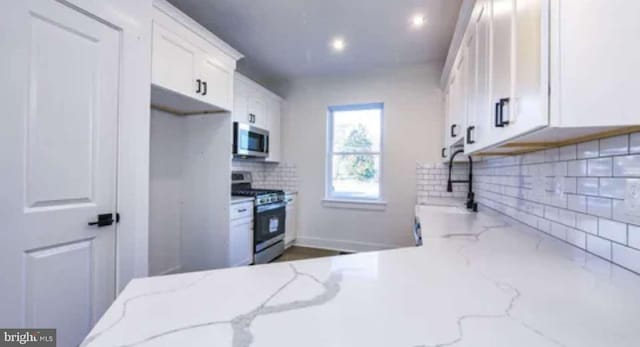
pixel 242 210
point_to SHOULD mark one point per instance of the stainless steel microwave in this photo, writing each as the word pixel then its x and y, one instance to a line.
pixel 249 141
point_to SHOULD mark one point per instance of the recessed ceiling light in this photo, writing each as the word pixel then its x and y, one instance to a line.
pixel 418 20
pixel 338 44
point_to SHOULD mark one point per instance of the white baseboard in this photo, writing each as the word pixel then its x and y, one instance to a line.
pixel 341 245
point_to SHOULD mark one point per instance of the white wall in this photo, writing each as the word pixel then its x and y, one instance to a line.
pixel 189 192
pixel 412 130
pixel 168 136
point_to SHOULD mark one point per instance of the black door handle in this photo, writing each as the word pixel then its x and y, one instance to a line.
pixel 502 102
pixel 498 124
pixel 104 220
pixel 469 130
pixel 204 84
pixel 444 155
pixel 199 86
pixel 453 130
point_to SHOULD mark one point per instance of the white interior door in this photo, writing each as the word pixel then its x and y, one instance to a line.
pixel 58 167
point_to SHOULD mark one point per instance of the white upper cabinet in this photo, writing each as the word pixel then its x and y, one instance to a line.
pixel 544 72
pixel 457 103
pixel 595 52
pixel 192 70
pixel 274 107
pixel 478 126
pixel 174 62
pixel 260 108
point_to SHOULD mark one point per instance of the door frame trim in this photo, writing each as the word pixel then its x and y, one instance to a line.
pixel 133 19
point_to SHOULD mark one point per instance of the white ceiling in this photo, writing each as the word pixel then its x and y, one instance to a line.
pixel 284 39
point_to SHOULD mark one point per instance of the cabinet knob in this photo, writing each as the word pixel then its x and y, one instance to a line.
pixel 199 86
pixel 204 86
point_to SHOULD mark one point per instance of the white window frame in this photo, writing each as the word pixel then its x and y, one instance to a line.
pixel 345 200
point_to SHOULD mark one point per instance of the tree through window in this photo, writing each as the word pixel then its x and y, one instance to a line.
pixel 354 152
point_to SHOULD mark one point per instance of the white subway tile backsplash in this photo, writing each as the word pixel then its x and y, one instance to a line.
pixel 627 166
pixel 589 149
pixel 622 213
pixel 634 143
pixel 601 207
pixel 587 223
pixel 634 236
pixel 577 238
pixel 614 146
pixel 627 257
pixel 577 168
pixel 552 154
pixel 613 231
pixel 599 247
pixel 577 203
pixel 613 187
pixel 602 167
pixel 587 186
pixel 575 193
pixel 269 175
pixel 569 152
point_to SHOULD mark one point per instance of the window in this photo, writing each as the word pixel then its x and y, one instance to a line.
pixel 354 153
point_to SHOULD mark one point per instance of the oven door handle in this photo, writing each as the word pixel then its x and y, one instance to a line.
pixel 271 207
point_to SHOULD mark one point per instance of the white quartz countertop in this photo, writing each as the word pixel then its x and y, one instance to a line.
pixel 478 281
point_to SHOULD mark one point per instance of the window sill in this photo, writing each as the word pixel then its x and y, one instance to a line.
pixel 371 205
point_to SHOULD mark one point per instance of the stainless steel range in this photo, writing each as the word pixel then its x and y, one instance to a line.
pixel 268 217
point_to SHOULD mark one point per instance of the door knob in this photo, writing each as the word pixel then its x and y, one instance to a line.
pixel 104 220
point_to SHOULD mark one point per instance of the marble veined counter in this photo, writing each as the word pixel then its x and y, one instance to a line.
pixel 478 281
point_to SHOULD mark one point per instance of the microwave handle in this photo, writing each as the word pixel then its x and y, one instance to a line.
pixel 267 144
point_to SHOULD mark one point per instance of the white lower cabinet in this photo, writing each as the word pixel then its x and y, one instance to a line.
pixel 290 228
pixel 241 234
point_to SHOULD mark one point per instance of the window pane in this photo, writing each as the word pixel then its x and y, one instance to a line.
pixel 357 130
pixel 356 176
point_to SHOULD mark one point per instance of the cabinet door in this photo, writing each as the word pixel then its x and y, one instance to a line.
pixel 290 231
pixel 241 242
pixel 173 62
pixel 217 80
pixel 596 52
pixel 471 82
pixel 240 102
pixel 275 114
pixel 479 113
pixel 444 151
pixel 529 109
pixel 501 65
pixel 458 103
pixel 258 109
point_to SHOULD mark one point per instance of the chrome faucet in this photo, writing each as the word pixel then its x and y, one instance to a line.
pixel 471 203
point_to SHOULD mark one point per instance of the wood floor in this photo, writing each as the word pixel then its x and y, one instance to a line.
pixel 300 253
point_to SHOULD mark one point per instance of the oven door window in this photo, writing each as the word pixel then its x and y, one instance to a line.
pixel 269 224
